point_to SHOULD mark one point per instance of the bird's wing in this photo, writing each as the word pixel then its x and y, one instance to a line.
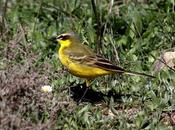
pixel 93 60
pixel 88 58
pixel 100 62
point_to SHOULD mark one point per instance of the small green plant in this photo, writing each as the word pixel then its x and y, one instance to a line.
pixel 131 33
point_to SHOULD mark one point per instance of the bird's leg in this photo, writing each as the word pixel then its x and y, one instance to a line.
pixel 88 82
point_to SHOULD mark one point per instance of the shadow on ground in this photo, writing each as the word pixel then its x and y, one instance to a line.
pixel 92 96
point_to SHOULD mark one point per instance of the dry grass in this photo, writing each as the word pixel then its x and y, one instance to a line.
pixel 23 71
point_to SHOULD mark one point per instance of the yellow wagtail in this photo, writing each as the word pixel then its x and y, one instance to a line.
pixel 82 62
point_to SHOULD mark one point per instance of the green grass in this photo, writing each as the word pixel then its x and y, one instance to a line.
pixel 132 34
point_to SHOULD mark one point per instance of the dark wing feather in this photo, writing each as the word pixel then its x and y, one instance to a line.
pixel 99 62
pixel 83 55
pixel 105 64
pixel 96 61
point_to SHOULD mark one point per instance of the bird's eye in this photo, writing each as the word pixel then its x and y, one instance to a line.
pixel 63 37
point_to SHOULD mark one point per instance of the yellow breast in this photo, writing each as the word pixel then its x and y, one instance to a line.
pixel 80 70
pixel 85 71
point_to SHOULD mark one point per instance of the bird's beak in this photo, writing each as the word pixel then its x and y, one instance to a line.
pixel 53 39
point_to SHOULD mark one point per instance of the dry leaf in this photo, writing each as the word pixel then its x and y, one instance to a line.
pixel 165 60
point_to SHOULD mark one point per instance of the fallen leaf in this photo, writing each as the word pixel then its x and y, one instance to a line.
pixel 165 60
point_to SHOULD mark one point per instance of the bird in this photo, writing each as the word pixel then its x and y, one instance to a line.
pixel 82 62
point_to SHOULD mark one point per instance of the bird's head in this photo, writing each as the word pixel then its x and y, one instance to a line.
pixel 66 39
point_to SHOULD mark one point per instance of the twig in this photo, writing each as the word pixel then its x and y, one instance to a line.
pixel 40 6
pixel 110 6
pixel 99 29
pixel 3 17
pixel 163 61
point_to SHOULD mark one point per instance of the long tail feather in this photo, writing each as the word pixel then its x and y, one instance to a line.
pixel 138 73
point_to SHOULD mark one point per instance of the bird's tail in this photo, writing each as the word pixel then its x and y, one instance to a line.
pixel 138 73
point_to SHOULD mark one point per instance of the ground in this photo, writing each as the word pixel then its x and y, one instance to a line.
pixel 132 34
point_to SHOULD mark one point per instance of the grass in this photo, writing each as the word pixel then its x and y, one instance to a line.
pixel 129 33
